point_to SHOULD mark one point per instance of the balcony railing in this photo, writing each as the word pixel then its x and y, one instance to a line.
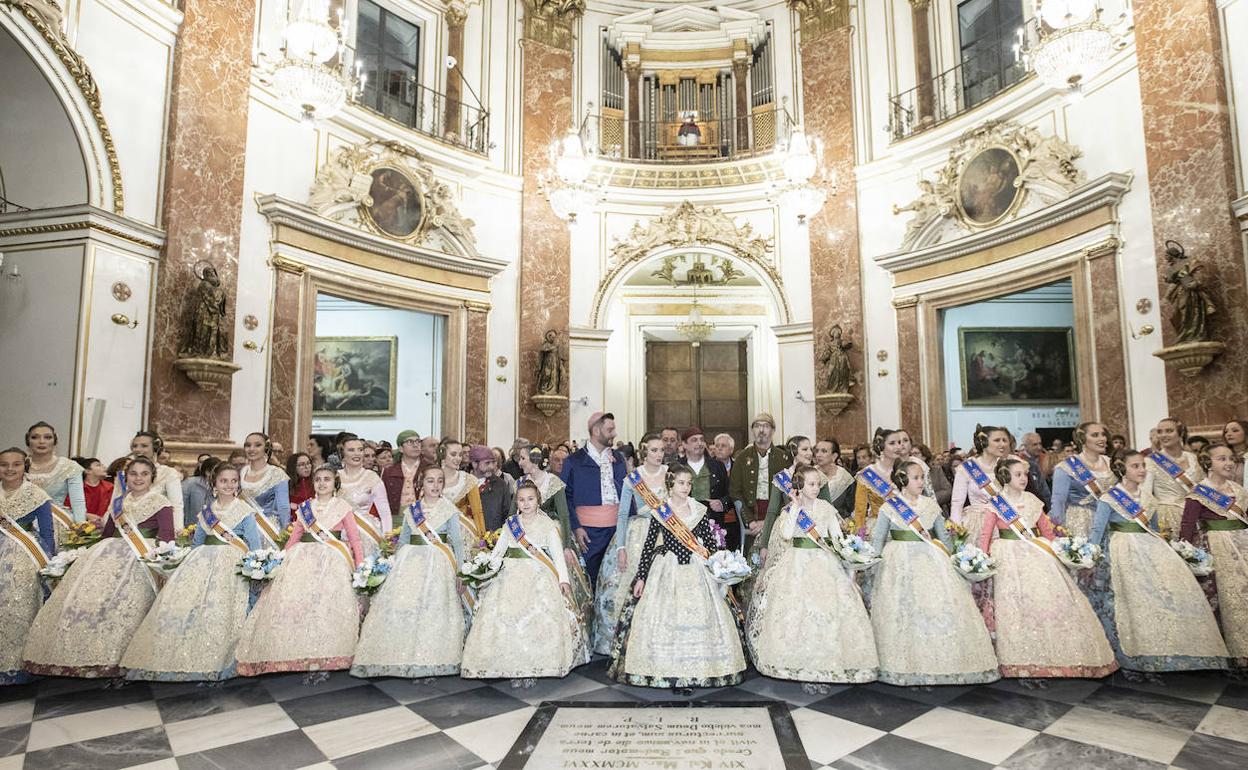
pixel 701 139
pixel 430 113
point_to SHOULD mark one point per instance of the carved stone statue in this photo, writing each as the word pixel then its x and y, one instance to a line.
pixel 204 333
pixel 552 366
pixel 1191 303
pixel 838 374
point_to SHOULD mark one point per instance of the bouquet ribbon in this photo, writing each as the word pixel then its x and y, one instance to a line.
pixel 910 517
pixel 1219 502
pixel 1006 513
pixel 1172 469
pixel 211 522
pixel 1076 468
pixel 29 544
pixel 322 536
pixel 1127 506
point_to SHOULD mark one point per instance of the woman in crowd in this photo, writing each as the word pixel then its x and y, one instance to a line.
pixel 205 601
pixel 840 482
pixel 265 485
pixel 59 477
pixel 299 484
pixel 370 456
pixel 309 619
pixel 319 448
pixel 26 544
pixel 1044 625
pixel 385 456
pixel 90 618
pixel 927 628
pixel 97 490
pixel 1081 479
pixel 619 565
pixel 862 458
pixel 526 625
pixel 806 620
pixel 888 445
pixel 678 630
pixel 940 484
pixel 461 488
pixel 167 481
pixel 416 624
pixel 974 482
pixel 1172 473
pixel 197 490
pixel 1235 436
pixel 1150 605
pixel 1217 508
pixel 366 493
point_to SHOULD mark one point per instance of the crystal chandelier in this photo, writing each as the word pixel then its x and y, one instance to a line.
pixel 565 183
pixel 800 164
pixel 306 75
pixel 1070 43
pixel 694 328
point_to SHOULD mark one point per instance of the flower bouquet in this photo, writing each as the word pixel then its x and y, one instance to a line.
pixel 260 564
pixel 973 564
pixel 856 553
pixel 183 538
pixel 957 533
pixel 480 570
pixel 728 567
pixel 390 545
pixel 1198 560
pixel 719 533
pixel 283 537
pixel 84 534
pixel 369 576
pixel 166 557
pixel 58 564
pixel 1077 553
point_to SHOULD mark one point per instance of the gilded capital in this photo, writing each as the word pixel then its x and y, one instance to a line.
pixel 456 13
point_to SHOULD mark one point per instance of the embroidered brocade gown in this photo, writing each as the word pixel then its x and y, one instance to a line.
pixel 523 626
pixel 1045 627
pixel 270 493
pixel 806 621
pixel 89 620
pixel 63 480
pixel 971 504
pixel 867 502
pixel 1152 609
pixel 681 632
pixel 615 585
pixel 554 503
pixel 193 627
pixel 21 592
pixel 1073 505
pixel 308 619
pixel 168 482
pixel 366 494
pixel 465 495
pixel 416 625
pixel 1227 537
pixel 927 628
pixel 1170 494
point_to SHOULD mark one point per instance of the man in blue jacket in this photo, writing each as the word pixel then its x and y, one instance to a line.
pixel 594 475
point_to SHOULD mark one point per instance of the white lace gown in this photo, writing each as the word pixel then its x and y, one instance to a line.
pixel 615 585
pixel 1169 493
pixel 364 493
pixel 21 592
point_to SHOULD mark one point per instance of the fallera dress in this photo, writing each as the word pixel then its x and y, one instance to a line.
pixel 1073 503
pixel 554 503
pixel 21 592
pixel 61 481
pixel 615 585
pixel 1170 493
pixel 366 494
pixel 270 493
pixel 1220 515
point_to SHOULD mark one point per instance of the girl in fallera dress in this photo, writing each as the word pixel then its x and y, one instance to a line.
pixel 366 494
pixel 1045 627
pixel 1150 605
pixel 1172 472
pixel 26 544
pixel 264 485
pixel 308 618
pixel 806 620
pixel 1081 479
pixel 1217 507
pixel 525 625
pixel 59 477
pixel 927 628
pixel 803 457
pixel 889 447
pixel 678 630
pixel 416 623
pixel 87 623
pixel 974 482
pixel 461 488
pixel 167 481
pixel 619 565
pixel 193 627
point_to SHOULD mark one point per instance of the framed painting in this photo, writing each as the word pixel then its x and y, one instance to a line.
pixel 1034 366
pixel 398 207
pixel 986 190
pixel 354 376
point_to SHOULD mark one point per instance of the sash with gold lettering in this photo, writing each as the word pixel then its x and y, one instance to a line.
pixel 516 528
pixel 1218 502
pixel 980 478
pixel 211 522
pixel 910 518
pixel 878 483
pixel 643 491
pixel 1011 517
pixel 322 535
pixel 61 517
pixel 365 523
pixel 679 530
pixel 807 526
pixel 1172 469
pixel 1079 471
pixel 1129 507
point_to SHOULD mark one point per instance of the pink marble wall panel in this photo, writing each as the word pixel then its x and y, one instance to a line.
pixel 1191 182
pixel 284 360
pixel 1111 367
pixel 202 202
pixel 476 390
pixel 907 368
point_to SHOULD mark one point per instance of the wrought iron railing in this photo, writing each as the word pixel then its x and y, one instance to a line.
pixel 699 139
pixel 429 112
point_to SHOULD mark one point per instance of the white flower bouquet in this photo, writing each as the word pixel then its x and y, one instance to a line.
pixel 166 556
pixel 1077 553
pixel 973 564
pixel 480 570
pixel 58 564
pixel 728 567
pixel 1197 559
pixel 855 552
pixel 261 564
pixel 369 576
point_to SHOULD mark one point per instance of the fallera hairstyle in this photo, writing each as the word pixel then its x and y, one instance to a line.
pixel 1118 463
pixel 674 473
pixel 881 436
pixel 268 443
pixel 901 474
pixel 41 424
pixel 1004 468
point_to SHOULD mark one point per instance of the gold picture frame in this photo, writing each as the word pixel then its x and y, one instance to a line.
pixel 346 372
pixel 988 190
pixel 1032 366
pixel 396 205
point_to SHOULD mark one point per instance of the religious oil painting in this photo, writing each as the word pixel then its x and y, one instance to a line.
pixel 986 191
pixel 398 209
pixel 354 376
pixel 1017 366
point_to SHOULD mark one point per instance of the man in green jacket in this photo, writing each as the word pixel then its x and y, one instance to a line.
pixel 749 481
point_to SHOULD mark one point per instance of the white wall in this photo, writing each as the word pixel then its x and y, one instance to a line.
pixel 421 345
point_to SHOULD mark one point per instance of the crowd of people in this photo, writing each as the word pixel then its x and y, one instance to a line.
pixel 523 563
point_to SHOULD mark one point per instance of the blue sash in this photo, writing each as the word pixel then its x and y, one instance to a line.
pixel 977 474
pixel 784 481
pixel 804 521
pixel 907 514
pixel 516 528
pixel 1172 469
pixel 877 482
pixel 121 492
pixel 1128 503
pixel 1224 503
pixel 1081 474
pixel 418 515
pixel 1015 521
pixel 1004 510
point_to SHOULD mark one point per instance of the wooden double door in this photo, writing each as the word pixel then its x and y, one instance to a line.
pixel 703 385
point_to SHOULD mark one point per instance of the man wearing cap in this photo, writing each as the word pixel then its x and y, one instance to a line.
pixel 593 476
pixel 752 470
pixel 402 479
pixel 710 484
pixel 495 492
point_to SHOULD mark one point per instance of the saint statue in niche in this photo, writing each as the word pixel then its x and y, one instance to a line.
pixel 838 374
pixel 986 189
pixel 204 334
pixel 1191 303
pixel 552 368
pixel 398 209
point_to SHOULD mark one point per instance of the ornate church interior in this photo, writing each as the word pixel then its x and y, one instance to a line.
pixel 583 296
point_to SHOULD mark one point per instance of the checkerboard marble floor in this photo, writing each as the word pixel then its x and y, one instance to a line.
pixel 1197 722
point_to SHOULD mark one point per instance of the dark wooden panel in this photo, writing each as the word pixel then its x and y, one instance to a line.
pixel 704 385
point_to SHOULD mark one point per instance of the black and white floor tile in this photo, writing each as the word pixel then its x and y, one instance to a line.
pixel 1191 721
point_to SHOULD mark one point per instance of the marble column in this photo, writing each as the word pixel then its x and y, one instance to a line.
pixel 477 373
pixel 741 84
pixel 203 203
pixel 908 367
pixel 1191 181
pixel 285 329
pixel 1110 349
pixel 633 73
pixel 920 11
pixel 456 16
pixel 835 272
